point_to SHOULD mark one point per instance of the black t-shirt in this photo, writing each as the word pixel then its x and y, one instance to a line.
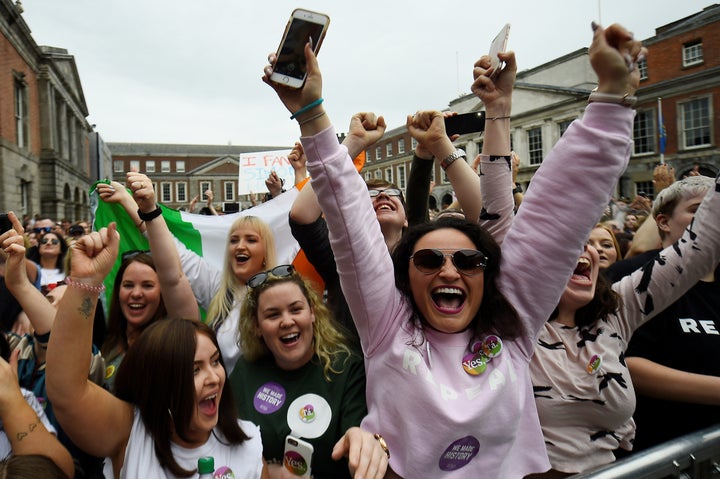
pixel 9 307
pixel 686 336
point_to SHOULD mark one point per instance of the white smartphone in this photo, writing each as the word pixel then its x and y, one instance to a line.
pixel 298 456
pixel 499 44
pixel 304 26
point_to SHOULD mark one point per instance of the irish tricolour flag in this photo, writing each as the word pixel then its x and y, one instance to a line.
pixel 205 235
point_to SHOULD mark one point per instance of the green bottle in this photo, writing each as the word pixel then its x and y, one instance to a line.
pixel 206 467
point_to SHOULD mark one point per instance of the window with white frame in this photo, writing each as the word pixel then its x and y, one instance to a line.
pixel 150 166
pixel 378 174
pixel 368 175
pixel 22 119
pixel 644 132
pixel 181 192
pixel 535 145
pixel 643 69
pixel 165 166
pixel 118 166
pixel 166 192
pixel 134 165
pixel 388 150
pixel 401 146
pixel 564 125
pixel 229 191
pixel 204 186
pixel 413 144
pixel 388 175
pixel 401 182
pixel 378 153
pixel 368 156
pixel 180 166
pixel 692 53
pixel 695 122
pixel 645 187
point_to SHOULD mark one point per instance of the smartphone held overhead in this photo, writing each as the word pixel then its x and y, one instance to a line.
pixel 499 44
pixel 473 122
pixel 5 224
pixel 304 26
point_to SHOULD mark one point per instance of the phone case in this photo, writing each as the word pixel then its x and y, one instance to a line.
pixel 289 68
pixel 499 44
pixel 473 122
pixel 298 456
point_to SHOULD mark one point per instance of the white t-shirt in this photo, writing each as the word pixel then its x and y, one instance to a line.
pixel 5 447
pixel 242 461
pixel 51 276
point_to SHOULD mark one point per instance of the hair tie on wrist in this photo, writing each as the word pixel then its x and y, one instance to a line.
pixel 149 216
pixel 306 108
pixel 97 289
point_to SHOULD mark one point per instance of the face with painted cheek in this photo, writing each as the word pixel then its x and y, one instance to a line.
pixel 602 241
pixel 139 294
pixel 285 321
pixel 580 289
pixel 447 299
pixel 246 253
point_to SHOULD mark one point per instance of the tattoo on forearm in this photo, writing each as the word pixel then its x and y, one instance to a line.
pixel 23 434
pixel 86 307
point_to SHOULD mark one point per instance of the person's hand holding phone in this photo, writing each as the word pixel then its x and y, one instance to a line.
pixel 496 92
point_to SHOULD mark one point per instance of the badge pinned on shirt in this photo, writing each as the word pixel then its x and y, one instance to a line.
pixel 594 364
pixel 309 416
pixel 481 353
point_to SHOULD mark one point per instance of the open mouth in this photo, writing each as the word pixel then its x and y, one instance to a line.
pixel 290 338
pixel 136 306
pixel 242 258
pixel 384 207
pixel 448 300
pixel 208 405
pixel 582 270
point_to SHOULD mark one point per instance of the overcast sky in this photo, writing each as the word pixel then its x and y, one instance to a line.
pixel 180 71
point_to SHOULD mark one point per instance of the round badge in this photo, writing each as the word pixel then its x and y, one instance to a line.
pixel 594 364
pixel 307 413
pixel 474 363
pixel 476 346
pixel 269 398
pixel 309 416
pixel 459 453
pixel 492 346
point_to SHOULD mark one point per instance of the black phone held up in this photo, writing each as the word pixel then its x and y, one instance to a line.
pixel 5 224
pixel 473 122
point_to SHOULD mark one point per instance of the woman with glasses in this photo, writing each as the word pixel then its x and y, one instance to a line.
pixel 447 325
pixel 50 254
pixel 298 377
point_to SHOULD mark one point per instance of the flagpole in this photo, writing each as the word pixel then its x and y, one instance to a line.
pixel 661 133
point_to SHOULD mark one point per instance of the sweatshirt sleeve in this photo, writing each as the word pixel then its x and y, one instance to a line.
pixel 567 195
pixel 497 211
pixel 363 261
pixel 675 269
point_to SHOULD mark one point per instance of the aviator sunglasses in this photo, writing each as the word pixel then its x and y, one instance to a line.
pixel 282 271
pixel 467 261
pixel 53 241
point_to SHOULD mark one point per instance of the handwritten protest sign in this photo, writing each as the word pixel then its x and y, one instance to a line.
pixel 255 168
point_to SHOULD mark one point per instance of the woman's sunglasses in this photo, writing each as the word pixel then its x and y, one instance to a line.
pixel 44 229
pixel 127 255
pixel 282 271
pixel 53 241
pixel 467 261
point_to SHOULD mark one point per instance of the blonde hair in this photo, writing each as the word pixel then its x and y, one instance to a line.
pixel 329 344
pixel 231 288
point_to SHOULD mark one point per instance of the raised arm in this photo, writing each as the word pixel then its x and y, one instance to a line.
pixel 25 431
pixel 176 291
pixel 38 309
pixel 94 419
pixel 209 203
pixel 540 253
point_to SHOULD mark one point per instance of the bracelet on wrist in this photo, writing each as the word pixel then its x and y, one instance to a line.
pixel 312 118
pixel 450 159
pixel 624 100
pixel 493 118
pixel 149 216
pixel 307 107
pixel 93 288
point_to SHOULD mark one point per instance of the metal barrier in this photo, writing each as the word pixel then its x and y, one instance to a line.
pixel 695 456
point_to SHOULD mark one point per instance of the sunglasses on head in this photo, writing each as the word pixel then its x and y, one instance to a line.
pixel 467 261
pixel 44 229
pixel 134 253
pixel 54 241
pixel 387 191
pixel 282 271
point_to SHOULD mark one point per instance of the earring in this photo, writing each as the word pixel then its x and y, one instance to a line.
pixel 263 263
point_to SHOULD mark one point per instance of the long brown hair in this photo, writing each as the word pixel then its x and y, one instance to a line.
pixel 156 376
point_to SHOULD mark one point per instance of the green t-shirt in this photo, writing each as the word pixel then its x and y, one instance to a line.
pixel 321 410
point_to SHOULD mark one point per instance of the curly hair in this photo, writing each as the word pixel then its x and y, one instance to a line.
pixel 329 343
pixel 495 314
